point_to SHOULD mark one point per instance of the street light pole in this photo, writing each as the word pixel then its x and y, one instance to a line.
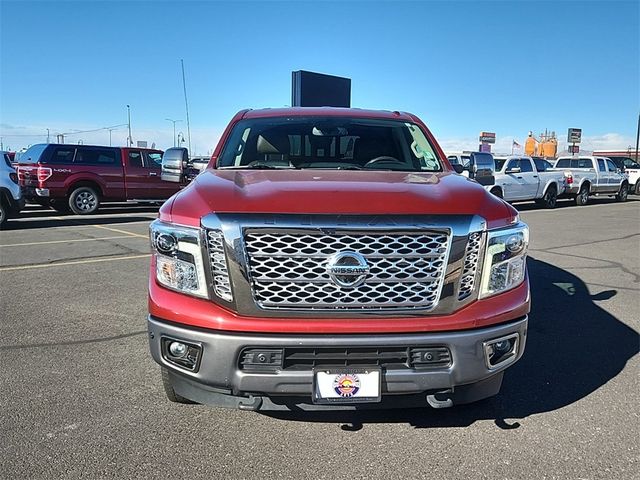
pixel 174 128
pixel 638 141
pixel 129 141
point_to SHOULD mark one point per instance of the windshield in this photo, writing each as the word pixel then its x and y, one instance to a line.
pixel 483 160
pixel 329 143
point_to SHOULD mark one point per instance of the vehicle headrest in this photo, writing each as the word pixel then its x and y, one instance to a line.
pixel 272 142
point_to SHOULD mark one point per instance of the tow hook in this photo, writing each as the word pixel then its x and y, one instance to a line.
pixel 437 403
pixel 251 403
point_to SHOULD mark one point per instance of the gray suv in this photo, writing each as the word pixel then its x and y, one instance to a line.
pixel 11 200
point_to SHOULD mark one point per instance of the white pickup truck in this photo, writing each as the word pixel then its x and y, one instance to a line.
pixel 631 168
pixel 589 175
pixel 521 178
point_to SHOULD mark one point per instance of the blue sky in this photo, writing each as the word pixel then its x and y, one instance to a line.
pixel 462 66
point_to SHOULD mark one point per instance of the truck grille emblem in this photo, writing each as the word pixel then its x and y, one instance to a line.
pixel 347 269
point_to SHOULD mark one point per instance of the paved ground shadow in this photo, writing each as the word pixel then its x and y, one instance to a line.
pixel 35 216
pixel 573 348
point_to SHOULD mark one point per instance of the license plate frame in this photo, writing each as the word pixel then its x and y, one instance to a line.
pixel 330 389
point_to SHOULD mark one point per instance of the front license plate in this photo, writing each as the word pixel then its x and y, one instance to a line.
pixel 346 385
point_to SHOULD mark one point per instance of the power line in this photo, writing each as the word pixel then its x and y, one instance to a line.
pixel 64 133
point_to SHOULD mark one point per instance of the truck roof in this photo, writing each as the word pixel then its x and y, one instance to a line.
pixel 74 145
pixel 328 112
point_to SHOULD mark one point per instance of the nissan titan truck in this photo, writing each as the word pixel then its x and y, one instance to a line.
pixel 332 258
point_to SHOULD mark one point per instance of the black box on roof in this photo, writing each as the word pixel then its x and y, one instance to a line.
pixel 309 89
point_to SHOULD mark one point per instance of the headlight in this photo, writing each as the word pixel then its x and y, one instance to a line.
pixel 178 255
pixel 504 260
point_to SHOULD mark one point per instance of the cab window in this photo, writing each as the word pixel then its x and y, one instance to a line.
pixel 601 166
pixel 542 165
pixel 525 165
pixel 153 159
pixel 135 159
pixel 515 163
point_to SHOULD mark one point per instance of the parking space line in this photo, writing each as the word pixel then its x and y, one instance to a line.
pixel 121 231
pixel 75 262
pixel 64 241
pixel 79 225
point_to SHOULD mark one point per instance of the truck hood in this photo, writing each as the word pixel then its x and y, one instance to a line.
pixel 334 192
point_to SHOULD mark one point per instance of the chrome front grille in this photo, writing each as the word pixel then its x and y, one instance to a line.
pixel 288 270
pixel 218 261
pixel 471 257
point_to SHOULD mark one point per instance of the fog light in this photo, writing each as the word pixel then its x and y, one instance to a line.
pixel 501 351
pixel 177 349
pixel 181 354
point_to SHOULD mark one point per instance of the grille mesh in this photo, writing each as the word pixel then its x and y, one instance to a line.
pixel 289 270
pixel 392 357
pixel 468 277
pixel 218 260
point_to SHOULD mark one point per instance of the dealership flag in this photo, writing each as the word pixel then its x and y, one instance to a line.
pixel 515 146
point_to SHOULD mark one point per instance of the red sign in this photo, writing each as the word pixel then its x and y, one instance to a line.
pixel 487 137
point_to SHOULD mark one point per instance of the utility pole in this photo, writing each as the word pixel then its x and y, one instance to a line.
pixel 638 139
pixel 47 135
pixel 186 105
pixel 110 130
pixel 129 140
pixel 174 128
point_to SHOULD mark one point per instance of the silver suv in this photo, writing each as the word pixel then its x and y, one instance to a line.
pixel 11 200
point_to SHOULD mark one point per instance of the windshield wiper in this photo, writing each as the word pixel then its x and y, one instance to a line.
pixel 261 166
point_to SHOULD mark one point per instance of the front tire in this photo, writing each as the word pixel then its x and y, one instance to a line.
pixel 84 201
pixel 583 196
pixel 637 189
pixel 622 195
pixel 171 394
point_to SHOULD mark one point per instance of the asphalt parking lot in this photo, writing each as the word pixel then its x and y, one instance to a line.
pixel 81 397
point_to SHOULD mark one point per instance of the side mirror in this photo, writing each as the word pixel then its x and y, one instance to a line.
pixel 458 168
pixel 174 162
pixel 514 170
pixel 618 170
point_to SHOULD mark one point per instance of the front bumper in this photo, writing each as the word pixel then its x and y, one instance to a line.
pixel 219 380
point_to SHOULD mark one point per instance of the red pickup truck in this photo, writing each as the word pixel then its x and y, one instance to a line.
pixel 80 177
pixel 332 258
